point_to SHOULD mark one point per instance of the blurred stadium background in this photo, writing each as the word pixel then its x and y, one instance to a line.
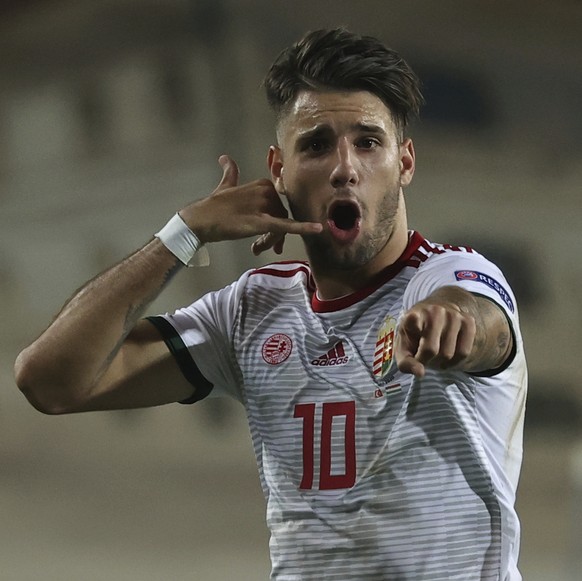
pixel 112 116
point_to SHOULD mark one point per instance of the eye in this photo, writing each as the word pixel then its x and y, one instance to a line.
pixel 316 145
pixel 368 143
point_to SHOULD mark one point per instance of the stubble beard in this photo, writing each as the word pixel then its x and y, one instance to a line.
pixel 325 253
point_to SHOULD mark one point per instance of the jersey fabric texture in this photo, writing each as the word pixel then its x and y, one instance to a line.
pixel 369 474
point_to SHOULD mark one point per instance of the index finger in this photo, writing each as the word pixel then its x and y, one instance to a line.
pixel 411 365
pixel 408 336
pixel 290 226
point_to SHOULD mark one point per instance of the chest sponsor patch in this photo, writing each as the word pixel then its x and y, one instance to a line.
pixel 277 348
pixel 473 275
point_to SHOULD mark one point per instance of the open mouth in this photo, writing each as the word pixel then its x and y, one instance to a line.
pixel 344 219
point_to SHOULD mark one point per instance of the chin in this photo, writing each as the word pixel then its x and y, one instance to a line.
pixel 328 255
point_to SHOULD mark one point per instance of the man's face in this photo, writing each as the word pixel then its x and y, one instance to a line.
pixel 340 162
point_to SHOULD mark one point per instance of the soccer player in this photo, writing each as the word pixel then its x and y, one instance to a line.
pixel 384 380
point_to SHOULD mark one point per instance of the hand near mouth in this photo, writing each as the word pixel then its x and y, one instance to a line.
pixel 234 211
pixel 343 221
pixel 266 241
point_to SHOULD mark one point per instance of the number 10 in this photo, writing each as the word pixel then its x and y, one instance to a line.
pixel 330 410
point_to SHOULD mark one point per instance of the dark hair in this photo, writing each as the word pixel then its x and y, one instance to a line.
pixel 340 60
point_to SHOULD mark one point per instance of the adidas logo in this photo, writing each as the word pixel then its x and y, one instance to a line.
pixel 335 356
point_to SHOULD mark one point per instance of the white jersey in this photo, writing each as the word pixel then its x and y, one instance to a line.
pixel 369 473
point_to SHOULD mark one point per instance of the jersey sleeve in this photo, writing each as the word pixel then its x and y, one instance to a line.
pixel 472 272
pixel 200 338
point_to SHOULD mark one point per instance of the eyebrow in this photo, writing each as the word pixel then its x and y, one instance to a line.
pixel 370 128
pixel 325 129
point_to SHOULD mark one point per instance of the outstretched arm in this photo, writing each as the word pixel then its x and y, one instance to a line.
pixel 453 328
pixel 97 353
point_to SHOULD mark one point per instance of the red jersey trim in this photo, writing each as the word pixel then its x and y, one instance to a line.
pixel 407 258
pixel 303 267
pixel 418 250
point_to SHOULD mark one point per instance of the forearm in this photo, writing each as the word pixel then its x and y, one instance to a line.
pixel 453 328
pixel 87 358
pixel 69 358
pixel 493 341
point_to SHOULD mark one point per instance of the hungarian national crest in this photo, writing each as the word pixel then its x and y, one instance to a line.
pixel 384 351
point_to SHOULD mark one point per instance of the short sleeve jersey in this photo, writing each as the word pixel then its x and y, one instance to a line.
pixel 369 473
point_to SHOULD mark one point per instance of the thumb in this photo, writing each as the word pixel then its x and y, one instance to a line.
pixel 230 171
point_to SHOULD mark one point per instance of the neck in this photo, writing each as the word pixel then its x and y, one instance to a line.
pixel 335 283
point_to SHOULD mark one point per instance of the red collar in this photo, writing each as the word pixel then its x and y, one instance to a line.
pixel 321 306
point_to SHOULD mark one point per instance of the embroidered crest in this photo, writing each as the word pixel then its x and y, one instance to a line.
pixel 384 351
pixel 277 348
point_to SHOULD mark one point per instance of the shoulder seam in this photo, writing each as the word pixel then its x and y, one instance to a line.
pixel 429 249
pixel 271 270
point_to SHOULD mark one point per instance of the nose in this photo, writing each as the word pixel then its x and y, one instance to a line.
pixel 344 171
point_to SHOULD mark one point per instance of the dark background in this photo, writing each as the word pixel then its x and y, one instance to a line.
pixel 112 117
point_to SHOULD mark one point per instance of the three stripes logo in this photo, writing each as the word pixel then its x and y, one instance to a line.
pixel 335 356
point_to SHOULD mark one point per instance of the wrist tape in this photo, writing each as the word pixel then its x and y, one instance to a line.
pixel 183 243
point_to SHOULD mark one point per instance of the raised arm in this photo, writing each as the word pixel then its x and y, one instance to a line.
pixel 453 328
pixel 98 353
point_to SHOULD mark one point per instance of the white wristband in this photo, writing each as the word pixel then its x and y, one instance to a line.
pixel 183 243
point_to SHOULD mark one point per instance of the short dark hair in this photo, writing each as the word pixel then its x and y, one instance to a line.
pixel 337 59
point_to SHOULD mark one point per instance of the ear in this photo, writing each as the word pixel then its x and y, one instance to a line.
pixel 407 161
pixel 275 163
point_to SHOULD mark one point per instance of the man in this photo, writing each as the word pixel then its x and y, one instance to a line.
pixel 384 381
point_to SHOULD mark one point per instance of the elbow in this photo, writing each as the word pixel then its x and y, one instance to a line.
pixel 31 380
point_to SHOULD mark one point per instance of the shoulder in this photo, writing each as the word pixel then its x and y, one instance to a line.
pixel 283 274
pixel 428 252
pixel 448 258
pixel 445 264
pixel 254 283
